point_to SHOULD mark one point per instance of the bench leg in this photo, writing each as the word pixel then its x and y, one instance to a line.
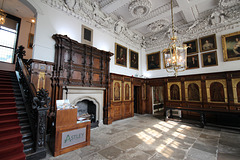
pixel 202 120
pixel 166 116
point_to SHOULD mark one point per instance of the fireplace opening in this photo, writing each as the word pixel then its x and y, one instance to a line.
pixel 86 107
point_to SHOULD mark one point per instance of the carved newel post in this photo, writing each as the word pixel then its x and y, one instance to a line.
pixel 41 104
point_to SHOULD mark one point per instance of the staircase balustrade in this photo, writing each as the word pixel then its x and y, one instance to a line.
pixel 36 103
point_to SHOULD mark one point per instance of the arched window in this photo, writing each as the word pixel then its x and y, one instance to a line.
pixel 174 92
pixel 217 92
pixel 193 92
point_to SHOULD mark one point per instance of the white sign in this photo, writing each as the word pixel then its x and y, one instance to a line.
pixel 73 137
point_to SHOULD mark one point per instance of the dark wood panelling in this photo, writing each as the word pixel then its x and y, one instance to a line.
pixel 124 109
pixel 81 65
pixel 204 105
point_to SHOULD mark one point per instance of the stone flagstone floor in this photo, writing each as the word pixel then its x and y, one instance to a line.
pixel 144 137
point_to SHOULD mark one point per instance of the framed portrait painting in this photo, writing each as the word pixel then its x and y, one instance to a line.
pixel 153 61
pixel 209 59
pixel 231 46
pixel 192 62
pixel 120 55
pixel 87 35
pixel 192 46
pixel 133 59
pixel 208 43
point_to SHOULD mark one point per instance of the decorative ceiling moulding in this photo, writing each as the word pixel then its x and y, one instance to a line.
pixel 158 25
pixel 157 12
pixel 140 8
pixel 88 11
pixel 218 19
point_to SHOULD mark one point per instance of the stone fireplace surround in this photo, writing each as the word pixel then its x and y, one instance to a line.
pixel 77 94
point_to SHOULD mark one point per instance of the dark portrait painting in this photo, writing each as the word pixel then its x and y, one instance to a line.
pixel 174 92
pixel 209 59
pixel 157 94
pixel 208 43
pixel 217 92
pixel 192 46
pixel 231 46
pixel 120 55
pixel 192 62
pixel 153 61
pixel 133 59
pixel 193 92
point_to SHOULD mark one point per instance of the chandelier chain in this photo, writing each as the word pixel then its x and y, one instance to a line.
pixel 172 17
pixel 2 4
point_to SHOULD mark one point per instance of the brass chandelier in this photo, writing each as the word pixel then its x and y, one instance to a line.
pixel 3 15
pixel 175 56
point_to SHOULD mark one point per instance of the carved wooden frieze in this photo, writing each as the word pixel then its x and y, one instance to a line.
pixel 80 64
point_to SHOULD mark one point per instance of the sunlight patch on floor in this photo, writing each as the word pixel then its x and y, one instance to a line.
pixel 154 133
pixel 145 138
pixel 160 127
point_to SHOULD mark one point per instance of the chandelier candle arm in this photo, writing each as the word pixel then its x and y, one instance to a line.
pixel 2 15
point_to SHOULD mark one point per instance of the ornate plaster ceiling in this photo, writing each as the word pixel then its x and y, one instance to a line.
pixel 185 11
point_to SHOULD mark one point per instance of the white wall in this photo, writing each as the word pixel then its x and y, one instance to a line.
pixel 24 34
pixel 222 66
pixel 53 21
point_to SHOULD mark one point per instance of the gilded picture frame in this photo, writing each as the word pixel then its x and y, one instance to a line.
pixel 192 46
pixel 133 59
pixel 117 91
pixel 87 35
pixel 169 85
pixel 187 94
pixel 192 62
pixel 127 91
pixel 153 61
pixel 209 59
pixel 235 82
pixel 120 55
pixel 208 43
pixel 224 84
pixel 231 46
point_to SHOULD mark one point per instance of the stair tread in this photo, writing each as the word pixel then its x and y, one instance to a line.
pixel 11 146
pixel 7 121
pixel 5 114
pixel 10 136
pixel 9 128
pixel 3 98
pixel 6 108
pixel 2 103
pixel 18 156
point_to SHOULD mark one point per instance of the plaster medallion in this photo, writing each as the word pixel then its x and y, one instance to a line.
pixel 158 25
pixel 140 8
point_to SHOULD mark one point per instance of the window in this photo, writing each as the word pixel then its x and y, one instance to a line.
pixel 8 38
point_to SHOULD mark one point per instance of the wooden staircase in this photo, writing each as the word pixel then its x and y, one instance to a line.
pixel 15 132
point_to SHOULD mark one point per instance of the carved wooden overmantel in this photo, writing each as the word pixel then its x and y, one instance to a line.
pixel 79 64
